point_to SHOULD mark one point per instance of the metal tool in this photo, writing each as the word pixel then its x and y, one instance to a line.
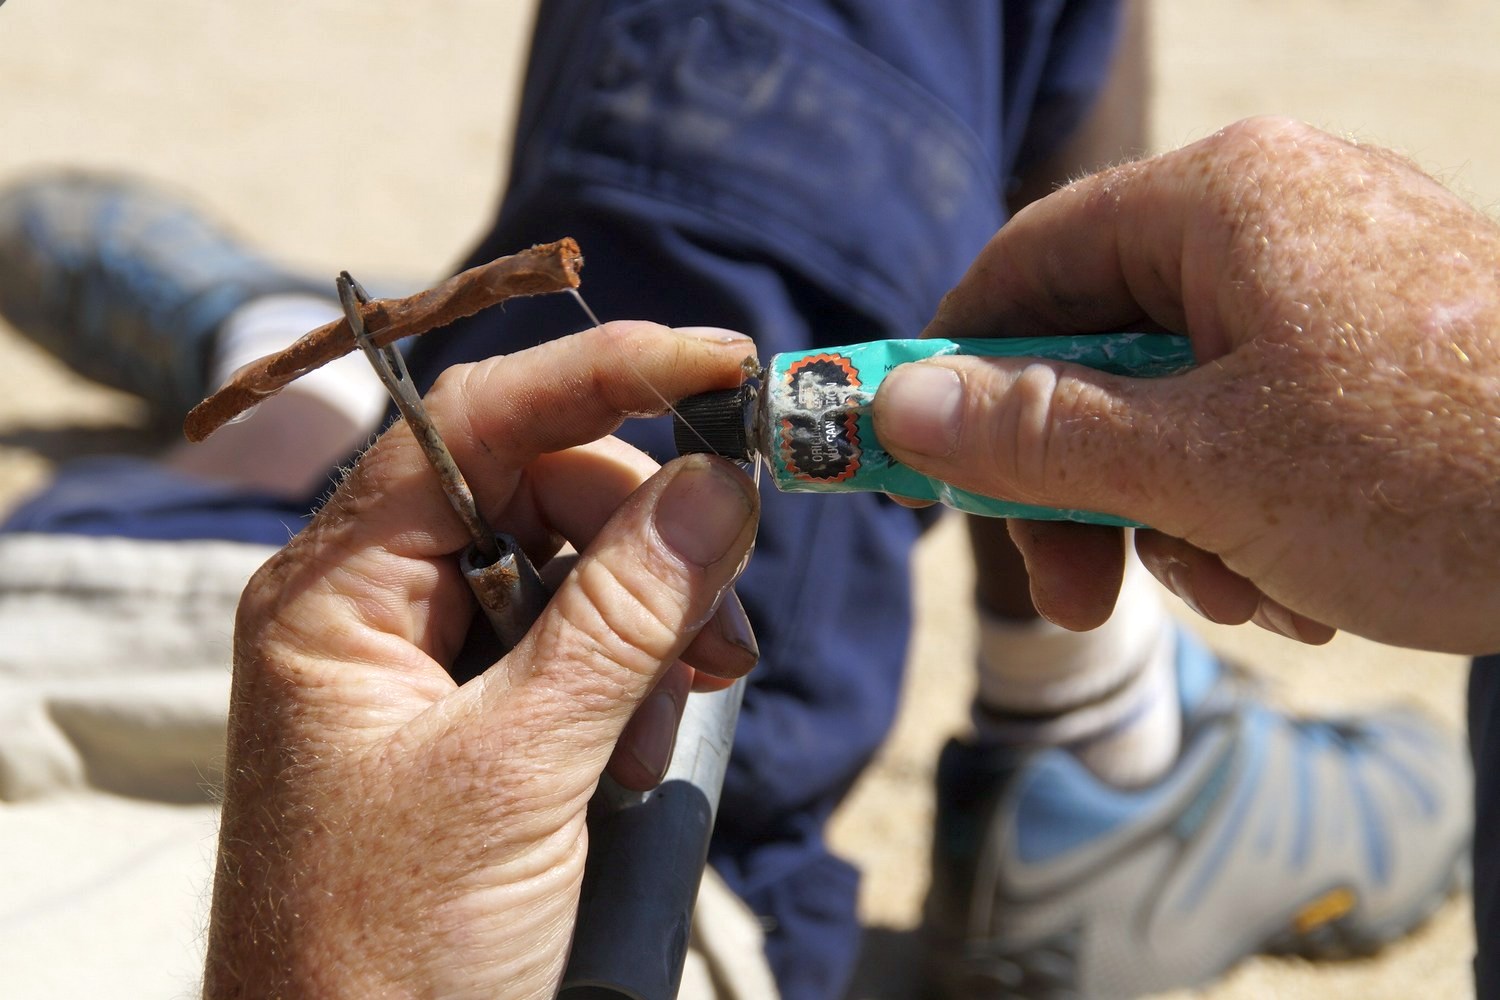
pixel 503 580
pixel 646 850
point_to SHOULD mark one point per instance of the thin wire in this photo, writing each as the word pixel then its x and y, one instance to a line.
pixel 644 380
pixel 391 368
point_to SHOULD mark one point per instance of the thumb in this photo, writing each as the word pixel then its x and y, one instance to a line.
pixel 651 578
pixel 1037 432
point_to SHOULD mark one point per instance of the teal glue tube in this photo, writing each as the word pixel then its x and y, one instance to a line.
pixel 809 419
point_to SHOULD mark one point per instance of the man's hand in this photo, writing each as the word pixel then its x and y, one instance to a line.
pixel 386 831
pixel 1334 462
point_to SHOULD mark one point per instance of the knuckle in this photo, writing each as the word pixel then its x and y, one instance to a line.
pixel 623 335
pixel 626 347
pixel 449 401
pixel 1037 408
pixel 454 380
pixel 633 623
pixel 1244 157
pixel 1033 446
pixel 1262 133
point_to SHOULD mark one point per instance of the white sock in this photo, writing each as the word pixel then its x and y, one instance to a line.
pixel 269 324
pixel 1110 695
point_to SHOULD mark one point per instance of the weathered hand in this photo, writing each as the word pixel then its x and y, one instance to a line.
pixel 1334 463
pixel 386 831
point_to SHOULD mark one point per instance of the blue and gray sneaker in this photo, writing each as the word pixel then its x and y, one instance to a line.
pixel 1269 834
pixel 124 283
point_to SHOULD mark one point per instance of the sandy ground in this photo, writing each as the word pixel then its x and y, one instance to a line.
pixel 372 137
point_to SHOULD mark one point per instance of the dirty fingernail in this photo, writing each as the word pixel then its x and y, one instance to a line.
pixel 734 625
pixel 1179 584
pixel 920 408
pixel 704 509
pixel 1274 617
pixel 654 732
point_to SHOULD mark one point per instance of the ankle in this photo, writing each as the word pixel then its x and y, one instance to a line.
pixel 290 444
pixel 1109 695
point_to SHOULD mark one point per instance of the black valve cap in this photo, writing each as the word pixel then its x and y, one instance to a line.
pixel 716 423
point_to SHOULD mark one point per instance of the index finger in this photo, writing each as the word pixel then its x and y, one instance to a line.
pixel 1064 263
pixel 1150 241
pixel 499 415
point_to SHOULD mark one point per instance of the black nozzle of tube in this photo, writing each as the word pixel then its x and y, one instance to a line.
pixel 716 423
